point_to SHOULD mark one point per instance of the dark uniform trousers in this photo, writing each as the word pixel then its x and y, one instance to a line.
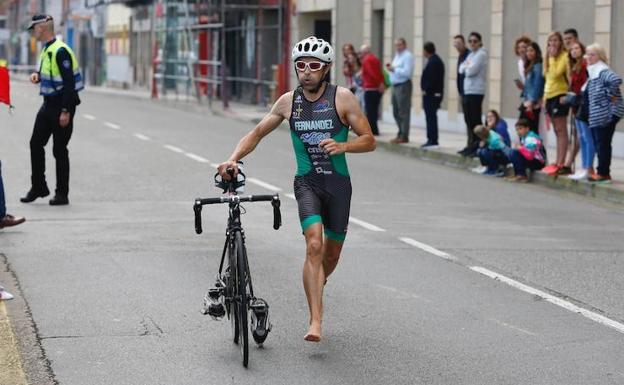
pixel 46 125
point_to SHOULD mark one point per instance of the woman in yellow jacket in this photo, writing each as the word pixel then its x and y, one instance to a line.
pixel 555 74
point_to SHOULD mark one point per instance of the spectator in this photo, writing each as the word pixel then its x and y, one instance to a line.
pixel 530 154
pixel 520 48
pixel 401 72
pixel 6 220
pixel 606 108
pixel 475 69
pixel 357 82
pixel 556 86
pixel 570 36
pixel 373 85
pixel 491 150
pixel 349 65
pixel 579 130
pixel 493 121
pixel 432 86
pixel 460 45
pixel 533 90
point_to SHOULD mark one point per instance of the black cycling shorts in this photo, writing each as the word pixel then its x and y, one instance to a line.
pixel 555 108
pixel 325 199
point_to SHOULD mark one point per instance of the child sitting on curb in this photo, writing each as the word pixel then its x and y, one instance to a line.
pixel 491 151
pixel 530 154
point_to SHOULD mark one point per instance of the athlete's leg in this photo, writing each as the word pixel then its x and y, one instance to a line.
pixel 313 279
pixel 335 221
pixel 331 255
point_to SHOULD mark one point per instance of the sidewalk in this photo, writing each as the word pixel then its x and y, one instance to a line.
pixel 446 154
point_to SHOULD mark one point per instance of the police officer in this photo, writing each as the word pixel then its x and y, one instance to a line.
pixel 60 80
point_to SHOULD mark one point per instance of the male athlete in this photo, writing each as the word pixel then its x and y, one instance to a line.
pixel 320 115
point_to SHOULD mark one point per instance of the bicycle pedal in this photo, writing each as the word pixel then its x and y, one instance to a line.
pixel 260 324
pixel 215 293
pixel 215 310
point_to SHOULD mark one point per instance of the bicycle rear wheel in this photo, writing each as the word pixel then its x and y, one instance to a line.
pixel 242 302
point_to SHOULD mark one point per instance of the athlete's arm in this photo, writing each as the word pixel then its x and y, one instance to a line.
pixel 279 112
pixel 349 111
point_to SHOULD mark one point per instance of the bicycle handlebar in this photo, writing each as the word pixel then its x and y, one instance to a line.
pixel 274 199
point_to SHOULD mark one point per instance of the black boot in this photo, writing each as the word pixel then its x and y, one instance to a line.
pixel 34 194
pixel 59 200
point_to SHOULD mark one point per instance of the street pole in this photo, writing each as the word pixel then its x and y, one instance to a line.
pixel 224 94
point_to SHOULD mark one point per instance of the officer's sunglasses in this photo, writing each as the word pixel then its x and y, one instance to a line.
pixel 313 65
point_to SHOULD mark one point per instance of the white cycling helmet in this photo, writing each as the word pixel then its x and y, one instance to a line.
pixel 313 47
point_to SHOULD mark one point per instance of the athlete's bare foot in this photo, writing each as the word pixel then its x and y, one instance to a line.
pixel 314 333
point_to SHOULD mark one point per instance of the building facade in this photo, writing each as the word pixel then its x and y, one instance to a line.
pixel 500 22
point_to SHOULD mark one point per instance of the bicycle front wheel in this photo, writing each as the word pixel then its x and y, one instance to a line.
pixel 242 302
pixel 232 292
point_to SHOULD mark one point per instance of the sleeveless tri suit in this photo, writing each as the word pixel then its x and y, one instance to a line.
pixel 322 184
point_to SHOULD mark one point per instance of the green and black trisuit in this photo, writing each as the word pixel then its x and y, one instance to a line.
pixel 322 184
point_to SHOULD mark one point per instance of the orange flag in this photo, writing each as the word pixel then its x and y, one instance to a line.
pixel 5 88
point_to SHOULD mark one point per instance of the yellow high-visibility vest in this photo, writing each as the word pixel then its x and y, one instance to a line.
pixel 50 73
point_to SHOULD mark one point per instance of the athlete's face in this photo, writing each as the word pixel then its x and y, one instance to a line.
pixel 308 77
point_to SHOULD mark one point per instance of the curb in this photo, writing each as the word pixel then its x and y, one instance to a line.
pixel 603 192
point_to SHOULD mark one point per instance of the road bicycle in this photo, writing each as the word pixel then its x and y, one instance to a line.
pixel 233 294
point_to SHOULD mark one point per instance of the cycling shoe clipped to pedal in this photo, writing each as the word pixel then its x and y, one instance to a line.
pixel 213 306
pixel 260 324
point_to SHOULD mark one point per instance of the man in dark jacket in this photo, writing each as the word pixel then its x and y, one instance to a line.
pixel 432 86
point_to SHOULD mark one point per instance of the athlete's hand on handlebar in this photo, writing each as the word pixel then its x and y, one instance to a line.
pixel 223 169
pixel 331 147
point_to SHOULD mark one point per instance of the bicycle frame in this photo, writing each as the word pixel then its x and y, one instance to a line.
pixel 234 225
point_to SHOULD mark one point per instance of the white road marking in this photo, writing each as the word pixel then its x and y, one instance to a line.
pixel 366 225
pixel 197 157
pixel 112 125
pixel 89 117
pixel 291 196
pixel 513 327
pixel 401 292
pixel 173 148
pixel 551 298
pixel 215 165
pixel 141 136
pixel 427 248
pixel 260 183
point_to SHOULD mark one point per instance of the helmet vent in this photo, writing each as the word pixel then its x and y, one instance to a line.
pixel 326 50
pixel 314 47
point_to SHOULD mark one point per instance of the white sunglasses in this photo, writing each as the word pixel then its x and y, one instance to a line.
pixel 313 65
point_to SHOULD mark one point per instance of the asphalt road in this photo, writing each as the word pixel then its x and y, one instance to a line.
pixel 114 281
